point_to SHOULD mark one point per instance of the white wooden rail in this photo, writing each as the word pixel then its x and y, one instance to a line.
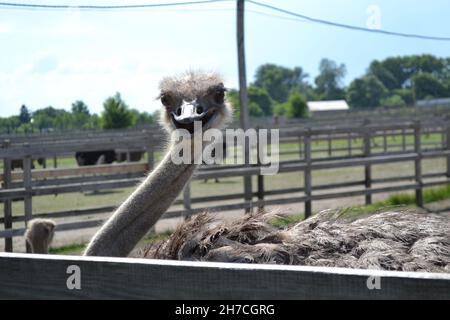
pixel 45 276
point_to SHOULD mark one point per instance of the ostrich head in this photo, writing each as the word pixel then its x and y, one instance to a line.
pixel 194 96
pixel 40 234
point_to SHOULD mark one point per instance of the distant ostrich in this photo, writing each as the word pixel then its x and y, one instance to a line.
pixel 392 241
pixel 39 234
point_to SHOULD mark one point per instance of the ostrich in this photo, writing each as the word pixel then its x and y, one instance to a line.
pixel 39 234
pixel 390 240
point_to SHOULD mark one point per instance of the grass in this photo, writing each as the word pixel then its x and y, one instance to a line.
pixel 395 201
pixel 77 249
pixel 283 222
pixel 400 200
pixel 72 249
pixel 156 237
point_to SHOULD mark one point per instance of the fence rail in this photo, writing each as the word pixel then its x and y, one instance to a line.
pixel 312 156
pixel 47 277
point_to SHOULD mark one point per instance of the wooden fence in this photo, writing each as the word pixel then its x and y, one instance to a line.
pixel 312 156
pixel 30 276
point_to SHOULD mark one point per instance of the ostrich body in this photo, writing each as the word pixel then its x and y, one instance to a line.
pixel 391 240
pixel 401 241
pixel 39 235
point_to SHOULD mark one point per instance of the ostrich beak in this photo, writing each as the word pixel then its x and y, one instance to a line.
pixel 189 112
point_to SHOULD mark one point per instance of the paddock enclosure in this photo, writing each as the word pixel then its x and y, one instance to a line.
pixel 30 276
pixel 319 146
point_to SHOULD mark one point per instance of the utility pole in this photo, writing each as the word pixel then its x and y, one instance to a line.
pixel 243 97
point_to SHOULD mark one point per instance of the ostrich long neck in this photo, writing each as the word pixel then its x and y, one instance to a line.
pixel 132 220
pixel 40 247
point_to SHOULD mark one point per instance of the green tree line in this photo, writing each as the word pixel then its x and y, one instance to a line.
pixel 116 114
pixel 393 82
pixel 275 91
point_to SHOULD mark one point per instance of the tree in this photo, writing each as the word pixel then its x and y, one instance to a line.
pixel 94 122
pixel 42 121
pixel 296 107
pixel 425 85
pixel 80 107
pixel 10 124
pixel 407 95
pixel 80 115
pixel 329 81
pixel 366 92
pixel 260 103
pixel 280 109
pixel 280 82
pixel 397 72
pixel 262 99
pixel 141 118
pixel 233 99
pixel 116 114
pixel 254 110
pixel 394 101
pixel 24 115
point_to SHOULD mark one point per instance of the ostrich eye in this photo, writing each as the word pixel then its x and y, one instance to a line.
pixel 219 96
pixel 166 100
pixel 199 110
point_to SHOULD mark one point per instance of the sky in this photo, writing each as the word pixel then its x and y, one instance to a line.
pixel 53 58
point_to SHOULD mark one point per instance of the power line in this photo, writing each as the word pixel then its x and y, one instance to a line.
pixel 103 7
pixel 275 16
pixel 346 26
pixel 302 17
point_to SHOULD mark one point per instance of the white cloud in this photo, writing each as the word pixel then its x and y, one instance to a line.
pixel 58 79
pixel 71 24
pixel 5 28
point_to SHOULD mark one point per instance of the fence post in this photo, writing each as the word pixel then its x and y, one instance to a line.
pixel 443 138
pixel 55 161
pixel 349 144
pixel 28 198
pixel 385 148
pixel 260 176
pixel 307 173
pixel 187 200
pixel 447 145
pixel 403 140
pixel 367 167
pixel 418 163
pixel 330 148
pixel 300 148
pixel 7 204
